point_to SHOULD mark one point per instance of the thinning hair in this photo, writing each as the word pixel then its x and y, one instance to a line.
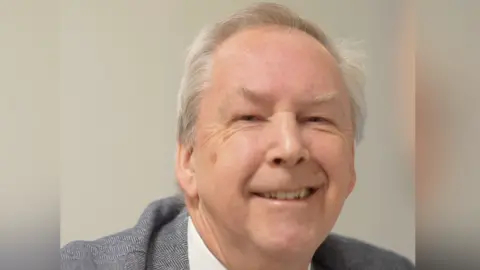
pixel 199 62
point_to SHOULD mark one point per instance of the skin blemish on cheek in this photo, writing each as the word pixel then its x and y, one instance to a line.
pixel 214 136
pixel 213 157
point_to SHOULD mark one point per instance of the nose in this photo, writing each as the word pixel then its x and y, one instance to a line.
pixel 288 149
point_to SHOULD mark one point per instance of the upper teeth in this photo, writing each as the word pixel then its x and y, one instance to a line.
pixel 299 194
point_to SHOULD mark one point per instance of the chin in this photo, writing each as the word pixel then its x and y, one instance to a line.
pixel 288 240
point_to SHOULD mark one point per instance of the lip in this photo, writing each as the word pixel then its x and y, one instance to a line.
pixel 286 189
pixel 282 203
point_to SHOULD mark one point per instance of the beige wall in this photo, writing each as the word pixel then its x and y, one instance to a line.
pixel 121 62
pixel 29 137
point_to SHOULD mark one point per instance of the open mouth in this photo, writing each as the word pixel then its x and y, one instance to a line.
pixel 300 194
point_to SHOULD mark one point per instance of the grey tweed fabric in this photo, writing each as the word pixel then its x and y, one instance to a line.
pixel 159 242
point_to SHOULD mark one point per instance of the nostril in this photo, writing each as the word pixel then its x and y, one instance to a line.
pixel 277 161
pixel 300 160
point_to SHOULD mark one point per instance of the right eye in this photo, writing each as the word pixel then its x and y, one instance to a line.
pixel 249 118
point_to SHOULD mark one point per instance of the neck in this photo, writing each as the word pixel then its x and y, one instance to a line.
pixel 240 255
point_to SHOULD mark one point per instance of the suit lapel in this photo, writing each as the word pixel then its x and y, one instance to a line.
pixel 169 250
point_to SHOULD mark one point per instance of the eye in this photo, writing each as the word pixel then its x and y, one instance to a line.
pixel 316 119
pixel 249 118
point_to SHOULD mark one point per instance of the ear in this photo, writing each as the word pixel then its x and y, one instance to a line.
pixel 353 173
pixel 352 183
pixel 185 171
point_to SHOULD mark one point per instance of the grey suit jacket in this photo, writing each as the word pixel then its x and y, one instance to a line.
pixel 159 242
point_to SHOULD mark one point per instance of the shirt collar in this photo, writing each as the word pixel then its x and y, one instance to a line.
pixel 199 256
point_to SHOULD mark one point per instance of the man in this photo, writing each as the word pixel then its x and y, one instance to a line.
pixel 269 112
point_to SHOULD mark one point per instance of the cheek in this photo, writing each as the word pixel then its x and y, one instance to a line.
pixel 225 172
pixel 238 158
pixel 229 163
pixel 335 155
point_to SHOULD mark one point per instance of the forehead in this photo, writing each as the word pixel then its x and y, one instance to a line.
pixel 281 62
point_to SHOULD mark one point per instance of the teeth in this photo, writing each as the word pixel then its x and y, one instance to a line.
pixel 291 195
pixel 300 194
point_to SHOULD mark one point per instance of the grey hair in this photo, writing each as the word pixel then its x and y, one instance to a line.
pixel 199 60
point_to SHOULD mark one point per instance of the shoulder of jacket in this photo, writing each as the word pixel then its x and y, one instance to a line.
pixel 113 250
pixel 340 252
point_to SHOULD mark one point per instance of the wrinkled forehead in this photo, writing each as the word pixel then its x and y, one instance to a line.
pixel 277 62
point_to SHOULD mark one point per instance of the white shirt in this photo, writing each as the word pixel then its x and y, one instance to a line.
pixel 199 256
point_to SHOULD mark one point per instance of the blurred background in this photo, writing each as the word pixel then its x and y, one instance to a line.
pixel 29 135
pixel 447 134
pixel 120 68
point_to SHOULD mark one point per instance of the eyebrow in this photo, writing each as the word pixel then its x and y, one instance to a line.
pixel 254 97
pixel 265 99
pixel 324 97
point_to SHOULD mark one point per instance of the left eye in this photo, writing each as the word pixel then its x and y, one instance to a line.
pixel 316 119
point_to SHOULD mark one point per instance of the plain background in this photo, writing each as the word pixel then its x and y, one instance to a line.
pixel 120 67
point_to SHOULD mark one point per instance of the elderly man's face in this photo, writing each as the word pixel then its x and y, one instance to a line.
pixel 275 118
